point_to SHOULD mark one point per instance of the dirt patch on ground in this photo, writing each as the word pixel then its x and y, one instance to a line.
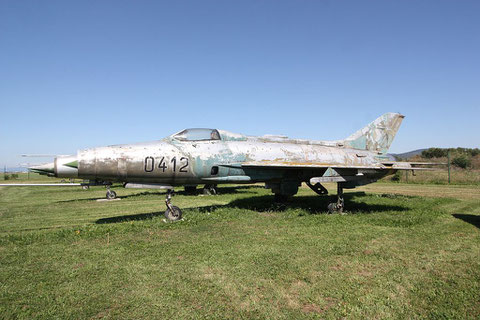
pixel 313 308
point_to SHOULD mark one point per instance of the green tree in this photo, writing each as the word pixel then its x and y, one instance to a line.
pixel 434 153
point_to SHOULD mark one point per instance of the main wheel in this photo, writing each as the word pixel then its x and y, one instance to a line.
pixel 332 207
pixel 111 194
pixel 191 190
pixel 335 208
pixel 209 190
pixel 174 214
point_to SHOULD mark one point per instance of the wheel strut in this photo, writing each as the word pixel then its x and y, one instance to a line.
pixel 173 213
pixel 340 205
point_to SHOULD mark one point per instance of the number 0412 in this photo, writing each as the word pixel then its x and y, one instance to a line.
pixel 162 164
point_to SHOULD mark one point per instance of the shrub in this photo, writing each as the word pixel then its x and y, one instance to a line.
pixel 476 162
pixel 462 161
pixel 396 177
pixel 6 177
pixel 475 152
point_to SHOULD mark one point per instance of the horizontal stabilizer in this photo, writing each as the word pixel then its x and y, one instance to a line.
pixel 389 163
pixel 400 165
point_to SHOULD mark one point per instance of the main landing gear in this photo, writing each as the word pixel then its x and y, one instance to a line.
pixel 318 188
pixel 210 190
pixel 340 204
pixel 173 213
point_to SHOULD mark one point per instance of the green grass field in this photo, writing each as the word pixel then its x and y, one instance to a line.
pixel 239 255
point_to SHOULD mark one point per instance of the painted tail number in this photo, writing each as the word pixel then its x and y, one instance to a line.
pixel 182 164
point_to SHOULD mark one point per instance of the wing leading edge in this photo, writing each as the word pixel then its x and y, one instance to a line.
pixel 317 165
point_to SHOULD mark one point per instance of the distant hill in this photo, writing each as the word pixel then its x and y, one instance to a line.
pixel 408 155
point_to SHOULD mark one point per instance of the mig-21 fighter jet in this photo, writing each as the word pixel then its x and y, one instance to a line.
pixel 211 156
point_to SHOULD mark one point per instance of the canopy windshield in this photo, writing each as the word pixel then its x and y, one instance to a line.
pixel 197 135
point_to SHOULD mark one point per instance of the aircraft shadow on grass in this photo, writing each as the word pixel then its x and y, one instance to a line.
pixel 221 191
pixel 131 196
pixel 310 204
pixel 470 218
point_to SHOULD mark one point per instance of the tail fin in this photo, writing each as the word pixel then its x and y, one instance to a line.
pixel 378 135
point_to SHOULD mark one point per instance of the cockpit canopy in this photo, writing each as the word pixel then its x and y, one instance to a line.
pixel 197 134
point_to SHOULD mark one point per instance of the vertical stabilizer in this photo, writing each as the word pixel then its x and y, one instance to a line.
pixel 378 135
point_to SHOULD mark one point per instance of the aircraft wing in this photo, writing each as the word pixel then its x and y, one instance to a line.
pixel 324 172
pixel 316 165
pixel 298 165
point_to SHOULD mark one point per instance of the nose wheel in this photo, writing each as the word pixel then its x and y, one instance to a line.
pixel 111 194
pixel 173 213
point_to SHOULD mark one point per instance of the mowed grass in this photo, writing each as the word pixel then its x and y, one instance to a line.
pixel 239 255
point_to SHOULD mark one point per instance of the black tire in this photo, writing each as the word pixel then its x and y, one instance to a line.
pixel 209 191
pixel 111 194
pixel 280 198
pixel 191 190
pixel 173 215
pixel 335 208
pixel 332 208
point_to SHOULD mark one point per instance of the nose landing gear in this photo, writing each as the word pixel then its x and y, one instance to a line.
pixel 173 213
pixel 110 193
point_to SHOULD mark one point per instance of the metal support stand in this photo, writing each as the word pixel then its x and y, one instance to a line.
pixel 340 204
pixel 340 200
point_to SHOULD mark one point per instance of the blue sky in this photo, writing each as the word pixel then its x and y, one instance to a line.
pixel 89 73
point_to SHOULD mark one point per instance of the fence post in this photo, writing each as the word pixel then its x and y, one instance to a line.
pixel 449 173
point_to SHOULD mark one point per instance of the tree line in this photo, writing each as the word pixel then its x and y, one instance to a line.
pixel 460 157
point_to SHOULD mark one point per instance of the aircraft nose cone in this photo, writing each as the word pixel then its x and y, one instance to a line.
pixel 45 169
